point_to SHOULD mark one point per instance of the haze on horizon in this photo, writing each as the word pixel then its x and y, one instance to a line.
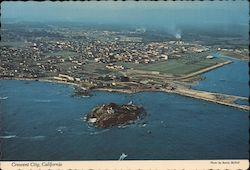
pixel 166 15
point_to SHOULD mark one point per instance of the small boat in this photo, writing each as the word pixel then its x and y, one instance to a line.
pixel 123 156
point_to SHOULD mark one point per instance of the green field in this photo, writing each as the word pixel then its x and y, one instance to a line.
pixel 177 67
pixel 99 68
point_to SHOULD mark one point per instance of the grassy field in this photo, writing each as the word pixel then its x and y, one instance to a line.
pixel 95 67
pixel 100 68
pixel 177 67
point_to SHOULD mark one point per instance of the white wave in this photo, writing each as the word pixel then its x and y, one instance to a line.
pixel 99 132
pixel 33 137
pixel 8 137
pixel 37 137
pixel 61 129
pixel 85 96
pixel 42 101
pixel 14 136
pixel 3 98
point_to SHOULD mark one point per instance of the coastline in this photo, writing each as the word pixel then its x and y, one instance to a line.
pixel 223 99
pixel 233 56
pixel 43 80
pixel 207 69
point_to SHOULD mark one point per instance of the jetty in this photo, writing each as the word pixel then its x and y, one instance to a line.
pixel 219 98
pixel 224 99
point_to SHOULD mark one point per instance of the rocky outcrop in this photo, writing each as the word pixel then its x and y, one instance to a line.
pixel 81 92
pixel 112 114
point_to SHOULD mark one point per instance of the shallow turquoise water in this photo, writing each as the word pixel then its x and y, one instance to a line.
pixel 41 121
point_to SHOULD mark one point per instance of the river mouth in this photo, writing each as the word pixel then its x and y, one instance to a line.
pixel 46 121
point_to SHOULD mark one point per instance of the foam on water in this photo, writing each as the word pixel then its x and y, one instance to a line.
pixel 42 101
pixel 8 137
pixel 34 137
pixel 99 132
pixel 61 129
pixel 15 136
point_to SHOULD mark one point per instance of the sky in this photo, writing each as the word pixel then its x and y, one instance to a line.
pixel 160 13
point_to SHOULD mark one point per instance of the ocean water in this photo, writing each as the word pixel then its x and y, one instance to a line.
pixel 230 79
pixel 42 121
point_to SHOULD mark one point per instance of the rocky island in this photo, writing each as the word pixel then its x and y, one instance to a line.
pixel 109 115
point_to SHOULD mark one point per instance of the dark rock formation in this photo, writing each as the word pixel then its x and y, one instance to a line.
pixel 110 115
pixel 81 92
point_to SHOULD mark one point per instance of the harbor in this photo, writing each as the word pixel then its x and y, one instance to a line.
pixel 52 113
